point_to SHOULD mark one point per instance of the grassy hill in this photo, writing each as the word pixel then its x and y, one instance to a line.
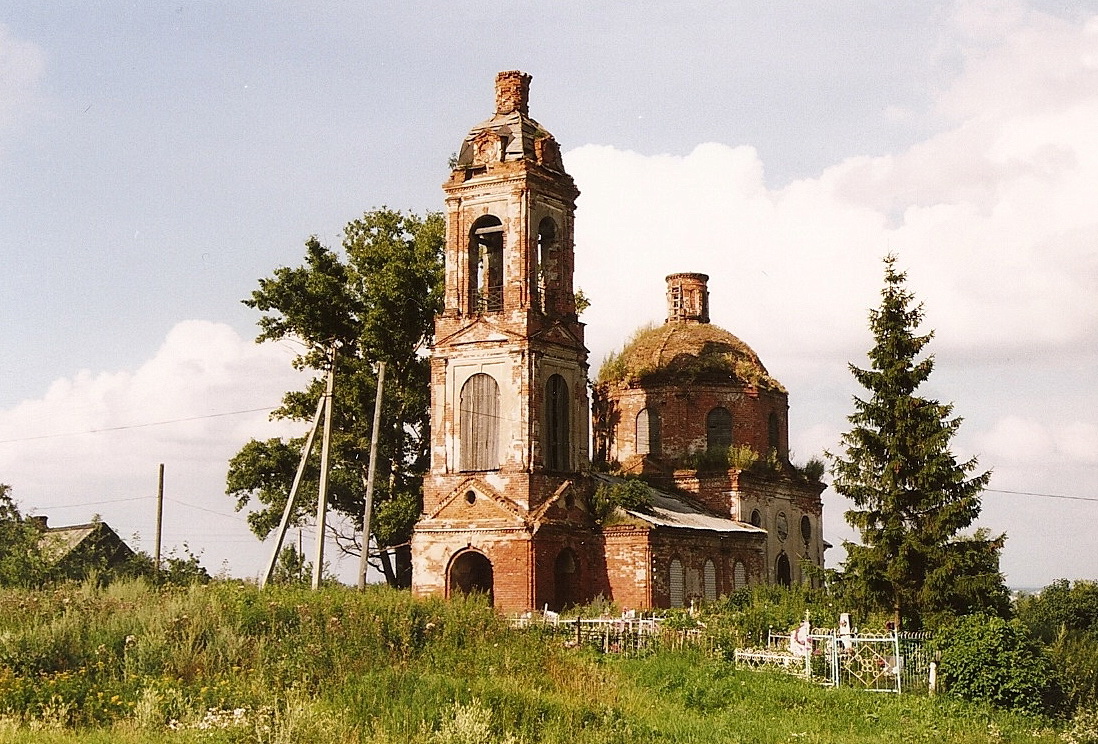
pixel 230 663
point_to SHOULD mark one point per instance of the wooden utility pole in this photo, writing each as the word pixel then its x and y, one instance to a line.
pixel 159 519
pixel 322 495
pixel 288 511
pixel 368 505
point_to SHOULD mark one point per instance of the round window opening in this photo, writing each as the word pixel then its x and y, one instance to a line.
pixel 470 498
pixel 782 526
pixel 756 518
pixel 806 528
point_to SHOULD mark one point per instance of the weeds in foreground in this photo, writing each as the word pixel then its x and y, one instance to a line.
pixel 230 663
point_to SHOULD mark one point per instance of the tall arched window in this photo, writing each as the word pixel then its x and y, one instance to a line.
pixel 486 265
pixel 545 265
pixel 479 415
pixel 557 424
pixel 677 578
pixel 739 576
pixel 718 430
pixel 773 432
pixel 648 432
pixel 709 581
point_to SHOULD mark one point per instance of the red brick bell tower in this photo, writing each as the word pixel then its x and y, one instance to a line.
pixel 509 408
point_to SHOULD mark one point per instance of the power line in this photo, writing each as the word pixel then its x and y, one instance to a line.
pixel 1043 495
pixel 96 503
pixel 211 511
pixel 136 426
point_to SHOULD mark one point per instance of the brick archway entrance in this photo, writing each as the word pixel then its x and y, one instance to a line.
pixel 470 572
pixel 566 579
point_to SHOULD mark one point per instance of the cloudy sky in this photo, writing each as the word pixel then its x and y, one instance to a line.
pixel 157 159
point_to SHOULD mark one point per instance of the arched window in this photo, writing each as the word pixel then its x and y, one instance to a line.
pixel 709 581
pixel 677 579
pixel 557 424
pixel 782 571
pixel 546 271
pixel 756 518
pixel 479 414
pixel 486 265
pixel 739 576
pixel 648 432
pixel 806 529
pixel 773 432
pixel 781 526
pixel 718 430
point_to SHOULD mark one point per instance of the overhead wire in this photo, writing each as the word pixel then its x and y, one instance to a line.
pixel 136 426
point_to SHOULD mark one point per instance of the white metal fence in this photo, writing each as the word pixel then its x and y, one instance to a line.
pixel 880 662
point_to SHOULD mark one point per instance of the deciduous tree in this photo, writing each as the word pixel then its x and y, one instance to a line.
pixel 21 562
pixel 376 301
pixel 912 498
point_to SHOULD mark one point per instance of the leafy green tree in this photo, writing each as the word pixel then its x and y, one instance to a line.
pixel 21 561
pixel 1064 617
pixel 912 498
pixel 1061 607
pixel 376 301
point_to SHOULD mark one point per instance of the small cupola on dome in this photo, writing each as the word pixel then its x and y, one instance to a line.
pixel 510 136
pixel 512 93
pixel 688 298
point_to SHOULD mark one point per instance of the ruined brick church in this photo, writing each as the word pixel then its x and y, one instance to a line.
pixel 687 406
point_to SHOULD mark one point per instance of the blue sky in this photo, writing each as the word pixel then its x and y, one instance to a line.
pixel 158 159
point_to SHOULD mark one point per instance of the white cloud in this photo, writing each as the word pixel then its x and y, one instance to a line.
pixel 92 443
pixel 1017 440
pixel 22 65
pixel 994 218
pixel 1021 441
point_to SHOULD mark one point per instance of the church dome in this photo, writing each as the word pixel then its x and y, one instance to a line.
pixel 687 348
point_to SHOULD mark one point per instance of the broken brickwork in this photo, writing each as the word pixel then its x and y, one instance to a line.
pixel 507 500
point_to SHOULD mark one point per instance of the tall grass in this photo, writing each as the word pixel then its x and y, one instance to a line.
pixel 231 663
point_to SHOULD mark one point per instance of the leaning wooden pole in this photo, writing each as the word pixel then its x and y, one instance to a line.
pixel 368 505
pixel 288 511
pixel 322 492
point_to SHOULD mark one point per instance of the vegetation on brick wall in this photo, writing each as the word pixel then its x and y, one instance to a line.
pixel 630 494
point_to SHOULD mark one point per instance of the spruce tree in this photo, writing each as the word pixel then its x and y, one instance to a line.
pixel 912 498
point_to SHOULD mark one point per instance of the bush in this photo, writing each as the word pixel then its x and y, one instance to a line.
pixel 627 493
pixel 1075 659
pixel 1061 607
pixel 987 659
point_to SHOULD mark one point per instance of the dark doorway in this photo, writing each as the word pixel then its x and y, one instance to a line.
pixel 566 580
pixel 784 574
pixel 471 572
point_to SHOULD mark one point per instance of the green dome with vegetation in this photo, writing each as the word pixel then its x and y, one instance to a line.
pixel 686 352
